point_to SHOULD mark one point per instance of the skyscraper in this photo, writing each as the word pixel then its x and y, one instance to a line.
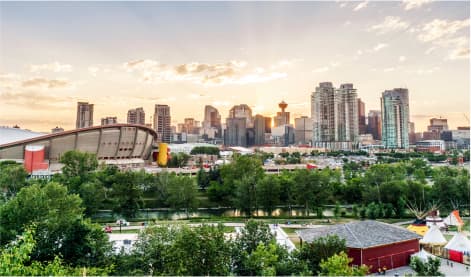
pixel 374 124
pixel 322 113
pixel 162 123
pixel 259 129
pixel 361 117
pixel 235 134
pixel 267 124
pixel 282 117
pixel 302 130
pixel 242 111
pixel 109 120
pixel 346 113
pixel 211 123
pixel 137 116
pixel 84 115
pixel 395 118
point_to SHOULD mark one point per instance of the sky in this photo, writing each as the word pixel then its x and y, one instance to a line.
pixel 123 55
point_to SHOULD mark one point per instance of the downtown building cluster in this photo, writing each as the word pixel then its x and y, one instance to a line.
pixel 338 121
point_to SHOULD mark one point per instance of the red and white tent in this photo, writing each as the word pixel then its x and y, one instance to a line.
pixel 454 219
pixel 458 248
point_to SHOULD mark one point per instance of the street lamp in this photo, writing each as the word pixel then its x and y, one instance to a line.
pixel 120 223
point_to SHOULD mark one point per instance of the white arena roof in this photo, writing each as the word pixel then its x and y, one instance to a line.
pixel 8 135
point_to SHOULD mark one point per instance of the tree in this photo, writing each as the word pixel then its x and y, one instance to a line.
pixel 208 150
pixel 202 179
pixel 178 160
pixel 127 194
pixel 268 193
pixel 93 195
pixel 321 249
pixel 338 265
pixel 12 177
pixel 77 168
pixel 262 261
pixel 178 250
pixel 429 268
pixel 15 259
pixel 59 218
pixel 182 194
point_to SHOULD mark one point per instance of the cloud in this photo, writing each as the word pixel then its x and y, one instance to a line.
pixel 413 4
pixel 347 23
pixel 444 34
pixel 439 29
pixel 402 59
pixel 34 100
pixel 343 5
pixel 45 83
pixel 53 67
pixel 424 71
pixel 360 6
pixel 285 63
pixel 232 72
pixel 9 80
pixel 389 69
pixel 390 24
pixel 379 46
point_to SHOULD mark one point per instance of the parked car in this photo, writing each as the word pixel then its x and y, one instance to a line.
pixel 123 222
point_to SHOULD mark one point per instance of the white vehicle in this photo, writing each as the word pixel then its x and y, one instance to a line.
pixel 123 222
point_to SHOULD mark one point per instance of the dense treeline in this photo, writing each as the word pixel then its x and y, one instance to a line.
pixel 380 190
pixel 208 150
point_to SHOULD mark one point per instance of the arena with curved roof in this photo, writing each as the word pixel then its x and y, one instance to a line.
pixel 109 142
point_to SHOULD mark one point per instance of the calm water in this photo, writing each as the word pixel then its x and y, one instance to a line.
pixel 228 212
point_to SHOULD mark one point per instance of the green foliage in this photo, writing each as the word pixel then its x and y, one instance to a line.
pixel 178 250
pixel 429 268
pixel 338 265
pixel 178 160
pixel 15 260
pixel 321 249
pixel 268 192
pixel 127 193
pixel 77 168
pixel 12 177
pixel 202 179
pixel 208 150
pixel 58 217
pixel 182 192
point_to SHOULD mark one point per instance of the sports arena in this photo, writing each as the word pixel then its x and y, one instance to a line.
pixel 120 144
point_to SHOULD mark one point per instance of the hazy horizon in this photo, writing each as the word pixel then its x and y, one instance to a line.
pixel 123 55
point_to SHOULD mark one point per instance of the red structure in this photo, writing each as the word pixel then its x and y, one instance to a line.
pixel 34 158
pixel 389 255
pixel 372 243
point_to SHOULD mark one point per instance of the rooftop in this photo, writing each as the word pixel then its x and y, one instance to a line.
pixel 361 234
pixel 8 134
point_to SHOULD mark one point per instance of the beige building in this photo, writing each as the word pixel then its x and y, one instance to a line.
pixel 162 121
pixel 84 115
pixel 136 116
pixel 109 120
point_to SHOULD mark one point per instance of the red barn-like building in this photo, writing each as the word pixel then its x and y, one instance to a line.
pixel 371 243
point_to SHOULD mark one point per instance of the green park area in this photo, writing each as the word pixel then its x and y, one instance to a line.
pixel 75 205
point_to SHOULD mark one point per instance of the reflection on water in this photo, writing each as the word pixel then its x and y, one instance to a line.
pixel 166 214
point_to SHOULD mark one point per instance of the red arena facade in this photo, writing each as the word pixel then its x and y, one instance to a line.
pixel 117 142
pixel 372 243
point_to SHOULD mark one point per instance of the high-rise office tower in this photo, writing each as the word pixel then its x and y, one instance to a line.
pixel 84 115
pixel 346 113
pixel 395 118
pixel 109 120
pixel 374 124
pixel 235 134
pixel 212 118
pixel 137 116
pixel 322 113
pixel 267 124
pixel 259 129
pixel 242 111
pixel 162 123
pixel 282 117
pixel 361 117
pixel 302 130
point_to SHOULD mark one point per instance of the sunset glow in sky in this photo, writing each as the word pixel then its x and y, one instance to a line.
pixel 123 55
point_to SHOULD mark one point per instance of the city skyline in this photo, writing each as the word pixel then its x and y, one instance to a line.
pixel 123 55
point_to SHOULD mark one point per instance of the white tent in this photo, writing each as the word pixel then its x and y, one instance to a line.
pixel 459 243
pixel 423 255
pixel 435 220
pixel 433 236
pixel 453 219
